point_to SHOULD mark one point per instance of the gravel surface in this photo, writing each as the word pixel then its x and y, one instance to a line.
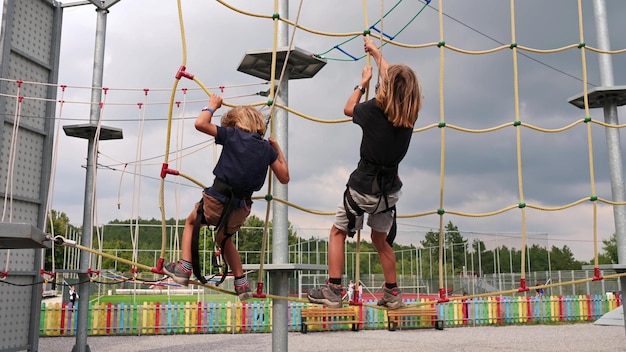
pixel 566 338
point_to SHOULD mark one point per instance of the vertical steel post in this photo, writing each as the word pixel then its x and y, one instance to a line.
pixel 612 135
pixel 92 161
pixel 280 236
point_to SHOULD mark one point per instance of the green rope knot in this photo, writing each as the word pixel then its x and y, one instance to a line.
pixel 521 205
pixel 441 124
pixel 268 197
pixel 593 198
pixel 517 123
pixel 275 16
pixel 270 102
pixel 441 43
pixel 587 119
pixel 366 32
pixel 513 45
pixel 581 45
pixel 441 211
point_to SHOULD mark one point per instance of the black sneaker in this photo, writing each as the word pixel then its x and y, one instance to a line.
pixel 177 273
pixel 328 295
pixel 392 298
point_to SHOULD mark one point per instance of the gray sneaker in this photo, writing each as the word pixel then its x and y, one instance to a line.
pixel 328 295
pixel 243 291
pixel 176 272
pixel 392 298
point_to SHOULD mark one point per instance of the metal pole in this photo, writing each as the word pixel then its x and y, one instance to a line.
pixel 280 249
pixel 612 134
pixel 94 117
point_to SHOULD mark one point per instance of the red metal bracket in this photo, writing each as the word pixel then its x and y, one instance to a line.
pixel 182 73
pixel 259 291
pixel 443 297
pixel 165 170
pixel 159 268
pixel 523 287
pixel 596 274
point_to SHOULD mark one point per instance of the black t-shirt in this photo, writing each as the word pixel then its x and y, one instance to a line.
pixel 382 144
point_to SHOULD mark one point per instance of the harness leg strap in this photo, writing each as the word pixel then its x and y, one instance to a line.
pixel 195 243
pixel 349 203
pixel 391 236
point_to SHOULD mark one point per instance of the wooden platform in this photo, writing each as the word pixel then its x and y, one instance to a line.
pixel 413 318
pixel 329 318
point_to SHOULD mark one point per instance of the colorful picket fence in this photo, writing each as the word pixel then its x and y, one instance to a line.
pixel 242 317
pixel 523 310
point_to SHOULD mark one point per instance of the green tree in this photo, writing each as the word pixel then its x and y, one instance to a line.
pixel 56 224
pixel 538 258
pixel 609 251
pixel 455 248
pixel 563 259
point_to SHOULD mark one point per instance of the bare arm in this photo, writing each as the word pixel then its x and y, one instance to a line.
pixel 370 47
pixel 279 166
pixel 355 97
pixel 203 121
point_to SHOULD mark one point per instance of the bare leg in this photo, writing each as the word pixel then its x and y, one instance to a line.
pixel 187 236
pixel 386 255
pixel 336 249
pixel 231 255
pixel 330 295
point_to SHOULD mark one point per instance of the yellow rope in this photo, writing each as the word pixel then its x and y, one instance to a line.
pixel 169 133
pixel 425 45
pixel 519 142
pixel 583 60
pixel 442 46
pixel 269 185
pixel 442 160
pixel 293 299
pixel 365 21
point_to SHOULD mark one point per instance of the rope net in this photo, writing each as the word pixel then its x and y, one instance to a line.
pixel 175 177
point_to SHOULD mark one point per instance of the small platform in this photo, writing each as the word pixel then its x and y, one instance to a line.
pixel 285 267
pixel 21 236
pixel 598 97
pixel 88 131
pixel 301 64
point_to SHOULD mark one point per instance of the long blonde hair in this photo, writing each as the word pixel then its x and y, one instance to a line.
pixel 400 95
pixel 245 118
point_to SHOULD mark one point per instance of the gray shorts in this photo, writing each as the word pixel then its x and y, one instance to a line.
pixel 378 219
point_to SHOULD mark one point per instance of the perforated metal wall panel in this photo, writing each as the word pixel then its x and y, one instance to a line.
pixel 26 171
pixel 29 44
pixel 15 302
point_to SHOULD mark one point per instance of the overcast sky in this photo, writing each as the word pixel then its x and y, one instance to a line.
pixel 144 50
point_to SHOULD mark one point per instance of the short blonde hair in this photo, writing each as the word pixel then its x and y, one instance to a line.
pixel 400 95
pixel 245 118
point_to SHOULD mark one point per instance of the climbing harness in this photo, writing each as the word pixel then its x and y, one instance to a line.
pixel 231 195
pixel 379 188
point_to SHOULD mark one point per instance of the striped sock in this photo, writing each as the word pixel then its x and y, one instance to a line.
pixel 185 265
pixel 240 281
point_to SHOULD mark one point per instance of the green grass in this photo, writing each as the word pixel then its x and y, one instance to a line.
pixel 164 298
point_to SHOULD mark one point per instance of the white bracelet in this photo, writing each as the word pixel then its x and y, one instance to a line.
pixel 206 108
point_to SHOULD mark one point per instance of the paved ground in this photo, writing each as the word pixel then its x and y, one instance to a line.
pixel 566 338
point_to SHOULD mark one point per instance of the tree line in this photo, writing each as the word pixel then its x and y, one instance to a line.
pixel 459 253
